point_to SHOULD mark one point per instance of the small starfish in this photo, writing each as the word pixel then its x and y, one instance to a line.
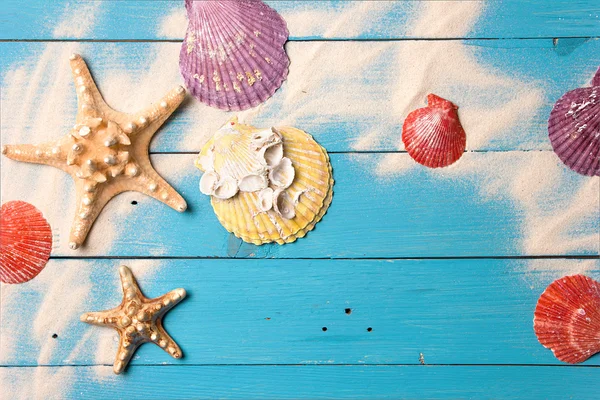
pixel 106 152
pixel 138 320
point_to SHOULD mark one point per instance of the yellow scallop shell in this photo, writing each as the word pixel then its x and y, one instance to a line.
pixel 311 189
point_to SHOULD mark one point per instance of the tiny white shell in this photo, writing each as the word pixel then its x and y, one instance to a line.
pixel 265 198
pixel 208 182
pixel 272 155
pixel 297 196
pixel 253 183
pixel 264 138
pixel 206 161
pixel 283 174
pixel 226 189
pixel 277 133
pixel 282 204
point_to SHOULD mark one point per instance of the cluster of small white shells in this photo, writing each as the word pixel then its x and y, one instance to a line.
pixel 275 175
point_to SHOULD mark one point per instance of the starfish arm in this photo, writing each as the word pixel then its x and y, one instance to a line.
pixel 46 153
pixel 162 339
pixel 159 335
pixel 129 285
pixel 101 318
pixel 167 301
pixel 89 100
pixel 147 121
pixel 151 184
pixel 91 199
pixel 124 353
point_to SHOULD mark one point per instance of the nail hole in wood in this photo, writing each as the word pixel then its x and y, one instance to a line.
pixel 369 329
pixel 348 311
pixel 54 336
pixel 134 203
pixel 324 329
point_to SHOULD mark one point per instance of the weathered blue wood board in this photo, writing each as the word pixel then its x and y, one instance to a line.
pixel 119 20
pixel 537 66
pixel 419 213
pixel 325 382
pixel 274 312
pixel 444 266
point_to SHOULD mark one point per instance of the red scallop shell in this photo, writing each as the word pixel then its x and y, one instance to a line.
pixel 433 135
pixel 25 242
pixel 567 318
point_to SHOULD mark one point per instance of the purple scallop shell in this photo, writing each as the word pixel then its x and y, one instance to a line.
pixel 574 128
pixel 233 55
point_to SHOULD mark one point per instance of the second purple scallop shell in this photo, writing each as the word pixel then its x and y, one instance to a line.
pixel 233 55
pixel 574 128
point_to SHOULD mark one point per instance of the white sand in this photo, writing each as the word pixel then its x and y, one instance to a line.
pixel 349 19
pixel 450 69
pixel 33 111
pixel 490 102
pixel 77 20
pixel 65 289
pixel 174 25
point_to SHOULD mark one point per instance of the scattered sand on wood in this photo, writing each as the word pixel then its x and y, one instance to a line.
pixel 53 301
pixel 34 111
pixel 174 25
pixel 307 19
pixel 551 225
pixel 77 20
pixel 490 102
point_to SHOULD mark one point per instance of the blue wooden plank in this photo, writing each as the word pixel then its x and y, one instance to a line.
pixel 307 382
pixel 505 90
pixel 410 212
pixel 337 19
pixel 274 311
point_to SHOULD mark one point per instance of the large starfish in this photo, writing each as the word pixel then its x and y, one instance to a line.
pixel 138 320
pixel 106 152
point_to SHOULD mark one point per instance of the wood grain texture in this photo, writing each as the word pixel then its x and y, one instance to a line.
pixel 334 19
pixel 340 93
pixel 274 312
pixel 319 382
pixel 419 212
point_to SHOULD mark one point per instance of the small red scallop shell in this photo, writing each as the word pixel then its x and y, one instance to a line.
pixel 567 318
pixel 433 135
pixel 25 242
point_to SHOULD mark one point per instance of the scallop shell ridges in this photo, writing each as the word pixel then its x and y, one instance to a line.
pixel 233 56
pixel 574 128
pixel 567 318
pixel 25 242
pixel 433 135
pixel 310 192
